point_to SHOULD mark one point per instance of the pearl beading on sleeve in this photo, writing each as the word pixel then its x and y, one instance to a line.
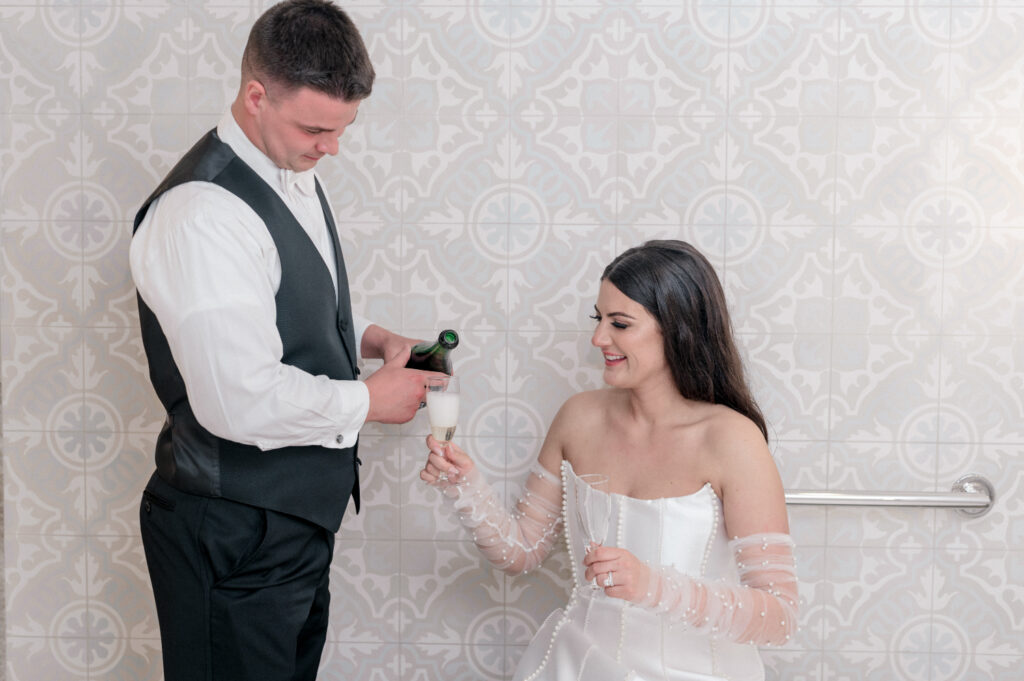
pixel 761 610
pixel 573 597
pixel 514 540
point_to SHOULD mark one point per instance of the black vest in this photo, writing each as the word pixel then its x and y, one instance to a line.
pixel 310 482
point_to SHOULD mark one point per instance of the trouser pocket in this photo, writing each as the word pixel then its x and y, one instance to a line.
pixel 151 499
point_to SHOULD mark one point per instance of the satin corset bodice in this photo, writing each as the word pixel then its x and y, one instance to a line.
pixel 600 638
pixel 685 532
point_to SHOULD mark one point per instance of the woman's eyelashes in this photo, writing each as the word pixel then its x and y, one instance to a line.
pixel 617 325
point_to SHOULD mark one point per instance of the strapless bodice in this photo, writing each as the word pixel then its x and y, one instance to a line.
pixel 599 638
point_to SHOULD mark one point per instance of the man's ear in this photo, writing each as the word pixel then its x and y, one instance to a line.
pixel 253 94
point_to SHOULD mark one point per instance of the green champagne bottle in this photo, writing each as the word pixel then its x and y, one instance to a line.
pixel 434 356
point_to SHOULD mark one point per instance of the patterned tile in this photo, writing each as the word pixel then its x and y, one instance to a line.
pixel 876 666
pixel 888 279
pixel 792 665
pixel 890 376
pixel 789 376
pixel 673 170
pixel 561 60
pixel 995 667
pixel 48 146
pixel 31 657
pixel 365 596
pixel 814 604
pixel 449 597
pixel 981 389
pixel 851 169
pixel 456 662
pixel 121 606
pixel 538 302
pixel 1002 526
pixel 35 251
pixel 879 599
pixel 882 467
pixel 118 466
pixel 42 59
pixel 989 52
pixel 979 602
pixel 218 32
pixel 46 584
pixel 44 483
pixel 426 514
pixel 372 661
pixel 457 61
pixel 383 490
pixel 135 61
pixel 983 281
pixel 785 167
pixel 530 598
pixel 775 286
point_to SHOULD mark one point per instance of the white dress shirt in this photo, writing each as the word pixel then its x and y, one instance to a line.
pixel 207 267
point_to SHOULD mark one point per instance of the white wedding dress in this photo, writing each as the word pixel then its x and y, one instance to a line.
pixel 706 596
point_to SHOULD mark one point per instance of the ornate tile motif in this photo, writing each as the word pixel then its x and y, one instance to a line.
pixel 852 169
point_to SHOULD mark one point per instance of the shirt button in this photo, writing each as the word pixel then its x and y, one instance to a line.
pixel 339 439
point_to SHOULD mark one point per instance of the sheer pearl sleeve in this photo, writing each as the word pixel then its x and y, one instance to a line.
pixel 514 540
pixel 761 610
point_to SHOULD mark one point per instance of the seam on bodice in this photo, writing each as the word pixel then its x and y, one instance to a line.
pixel 713 649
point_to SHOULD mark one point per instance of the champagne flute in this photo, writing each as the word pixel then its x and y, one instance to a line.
pixel 443 409
pixel 593 510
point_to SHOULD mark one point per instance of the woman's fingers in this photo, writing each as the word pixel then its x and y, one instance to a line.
pixel 438 466
pixel 456 456
pixel 599 567
pixel 598 553
pixel 453 461
pixel 617 571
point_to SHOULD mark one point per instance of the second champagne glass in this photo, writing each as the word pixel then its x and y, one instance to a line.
pixel 443 409
pixel 593 510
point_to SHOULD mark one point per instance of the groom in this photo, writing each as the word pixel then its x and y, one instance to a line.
pixel 252 349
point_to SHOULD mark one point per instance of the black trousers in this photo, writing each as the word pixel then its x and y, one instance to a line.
pixel 241 592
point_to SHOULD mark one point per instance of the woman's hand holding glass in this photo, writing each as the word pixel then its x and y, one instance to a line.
pixel 618 572
pixel 445 462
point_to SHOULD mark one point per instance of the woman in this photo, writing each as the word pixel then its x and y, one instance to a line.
pixel 685 449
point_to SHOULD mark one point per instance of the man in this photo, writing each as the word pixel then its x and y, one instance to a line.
pixel 252 349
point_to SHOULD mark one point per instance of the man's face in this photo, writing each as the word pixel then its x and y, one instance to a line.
pixel 297 129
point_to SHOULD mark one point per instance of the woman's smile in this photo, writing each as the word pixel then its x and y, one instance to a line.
pixel 613 360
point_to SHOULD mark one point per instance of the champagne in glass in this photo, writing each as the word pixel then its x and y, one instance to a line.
pixel 443 406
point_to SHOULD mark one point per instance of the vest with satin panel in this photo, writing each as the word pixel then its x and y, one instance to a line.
pixel 310 482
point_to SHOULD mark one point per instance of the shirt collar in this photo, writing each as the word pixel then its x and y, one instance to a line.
pixel 304 182
pixel 284 180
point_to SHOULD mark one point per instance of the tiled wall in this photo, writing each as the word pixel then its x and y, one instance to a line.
pixel 853 169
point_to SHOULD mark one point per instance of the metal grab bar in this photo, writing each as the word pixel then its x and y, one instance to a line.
pixel 971 495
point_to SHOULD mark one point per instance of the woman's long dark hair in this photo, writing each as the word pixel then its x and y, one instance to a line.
pixel 678 285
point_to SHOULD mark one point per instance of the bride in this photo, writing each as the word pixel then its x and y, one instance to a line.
pixel 696 569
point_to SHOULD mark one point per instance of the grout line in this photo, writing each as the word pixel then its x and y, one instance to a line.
pixel 938 399
pixel 828 585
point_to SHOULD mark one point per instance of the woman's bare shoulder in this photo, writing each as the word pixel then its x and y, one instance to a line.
pixel 730 433
pixel 581 415
pixel 572 427
pixel 734 444
pixel 586 407
pixel 748 479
